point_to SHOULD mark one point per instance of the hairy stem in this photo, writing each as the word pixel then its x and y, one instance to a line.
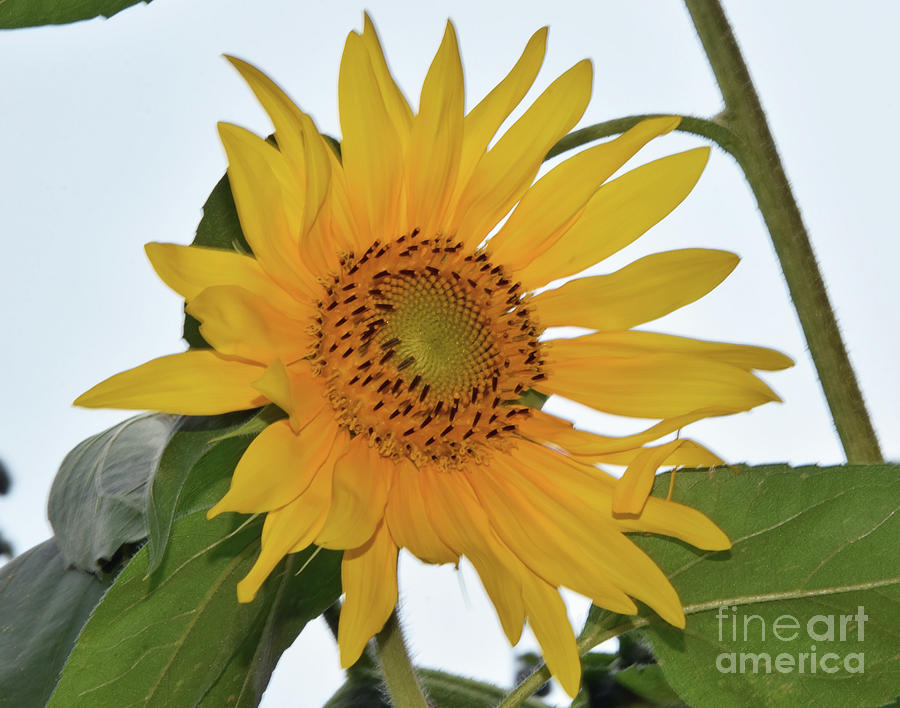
pixel 762 166
pixel 589 639
pixel 741 130
pixel 396 667
pixel 710 128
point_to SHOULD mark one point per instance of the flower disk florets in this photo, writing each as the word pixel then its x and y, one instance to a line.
pixel 427 349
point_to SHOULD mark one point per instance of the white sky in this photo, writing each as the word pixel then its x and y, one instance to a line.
pixel 107 141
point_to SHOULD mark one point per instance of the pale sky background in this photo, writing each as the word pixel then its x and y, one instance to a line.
pixel 108 141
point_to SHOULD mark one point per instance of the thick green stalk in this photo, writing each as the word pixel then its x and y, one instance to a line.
pixel 759 159
pixel 396 667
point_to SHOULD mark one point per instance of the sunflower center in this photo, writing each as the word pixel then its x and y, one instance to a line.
pixel 426 350
pixel 435 327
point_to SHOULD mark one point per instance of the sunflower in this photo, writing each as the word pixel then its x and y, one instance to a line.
pixel 401 332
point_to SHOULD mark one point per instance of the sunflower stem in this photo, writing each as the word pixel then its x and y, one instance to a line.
pixel 711 128
pixel 758 157
pixel 587 641
pixel 742 130
pixel 396 667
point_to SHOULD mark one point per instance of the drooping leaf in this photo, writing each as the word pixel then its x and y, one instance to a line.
pixel 43 606
pixel 194 471
pixel 812 547
pixel 98 499
pixel 179 637
pixel 34 13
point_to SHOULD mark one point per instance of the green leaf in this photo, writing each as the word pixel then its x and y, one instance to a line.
pixel 43 606
pixel 34 13
pixel 194 472
pixel 365 688
pixel 811 545
pixel 180 638
pixel 628 678
pixel 648 681
pixel 99 496
pixel 219 228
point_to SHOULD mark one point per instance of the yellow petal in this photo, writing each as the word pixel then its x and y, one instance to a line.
pixel 297 137
pixel 198 382
pixel 319 493
pixel 394 101
pixel 407 520
pixel 277 467
pixel 190 269
pixel 550 623
pixel 506 171
pixel 369 579
pixel 270 216
pixel 288 530
pixel 633 489
pixel 655 385
pixel 362 479
pixel 372 152
pixel 239 323
pixel 544 477
pixel 635 343
pixel 681 522
pixel 688 454
pixel 462 524
pixel 548 429
pixel 551 204
pixel 436 138
pixel 642 291
pixel 541 544
pixel 587 492
pixel 295 390
pixel 483 121
pixel 618 213
pixel 336 219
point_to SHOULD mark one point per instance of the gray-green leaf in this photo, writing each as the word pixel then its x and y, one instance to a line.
pixel 99 496
pixel 43 606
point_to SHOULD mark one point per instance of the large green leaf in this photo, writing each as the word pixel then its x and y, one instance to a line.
pixel 99 496
pixel 811 546
pixel 180 638
pixel 43 606
pixel 33 13
pixel 194 471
